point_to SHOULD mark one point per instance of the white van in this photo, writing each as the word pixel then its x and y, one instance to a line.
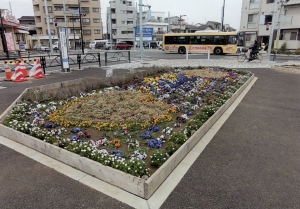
pixel 56 47
pixel 99 43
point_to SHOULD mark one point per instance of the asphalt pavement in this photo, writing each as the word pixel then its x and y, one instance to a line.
pixel 252 162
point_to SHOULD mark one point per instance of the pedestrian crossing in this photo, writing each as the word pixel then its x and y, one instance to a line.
pixel 2 87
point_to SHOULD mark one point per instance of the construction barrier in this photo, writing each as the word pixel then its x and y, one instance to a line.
pixel 8 73
pixel 18 75
pixel 36 70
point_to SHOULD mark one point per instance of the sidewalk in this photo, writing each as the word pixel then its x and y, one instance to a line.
pixel 252 161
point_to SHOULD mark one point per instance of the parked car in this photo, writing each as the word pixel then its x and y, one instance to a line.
pixel 152 44
pixel 109 45
pixel 123 45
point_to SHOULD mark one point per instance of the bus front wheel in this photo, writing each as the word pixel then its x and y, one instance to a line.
pixel 218 51
pixel 181 50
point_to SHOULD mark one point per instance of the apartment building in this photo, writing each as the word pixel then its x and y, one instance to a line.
pixel 91 23
pixel 121 20
pixel 156 21
pixel 256 20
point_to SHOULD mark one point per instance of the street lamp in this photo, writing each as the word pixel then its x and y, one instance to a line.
pixel 180 16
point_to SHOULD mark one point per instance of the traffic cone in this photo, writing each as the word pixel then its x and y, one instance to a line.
pixel 8 73
pixel 23 68
pixel 38 73
pixel 18 75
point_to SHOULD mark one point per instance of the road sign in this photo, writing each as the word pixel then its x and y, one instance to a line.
pixel 62 40
pixel 147 34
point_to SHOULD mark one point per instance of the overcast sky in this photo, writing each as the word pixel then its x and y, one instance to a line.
pixel 197 11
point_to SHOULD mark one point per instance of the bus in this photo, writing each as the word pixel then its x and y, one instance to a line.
pixel 216 42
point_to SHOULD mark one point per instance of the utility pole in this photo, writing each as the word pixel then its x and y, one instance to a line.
pixel 272 29
pixel 223 11
pixel 81 32
pixel 67 30
pixel 141 28
pixel 110 37
pixel 180 20
pixel 279 24
pixel 48 26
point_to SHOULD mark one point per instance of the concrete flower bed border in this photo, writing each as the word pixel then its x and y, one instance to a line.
pixel 138 186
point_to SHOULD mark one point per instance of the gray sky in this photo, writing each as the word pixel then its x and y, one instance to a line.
pixel 197 11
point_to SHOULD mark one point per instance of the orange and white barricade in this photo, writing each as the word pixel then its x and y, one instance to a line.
pixel 8 73
pixel 36 70
pixel 23 67
pixel 18 75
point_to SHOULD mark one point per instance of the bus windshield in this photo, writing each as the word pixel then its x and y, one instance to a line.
pixel 215 42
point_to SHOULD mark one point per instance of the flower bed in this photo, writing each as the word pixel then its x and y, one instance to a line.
pixel 133 127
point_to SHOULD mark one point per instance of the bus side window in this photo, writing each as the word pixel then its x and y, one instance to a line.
pixel 219 40
pixel 207 39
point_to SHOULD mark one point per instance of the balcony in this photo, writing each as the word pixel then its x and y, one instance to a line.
pixel 292 21
pixel 58 13
pixel 37 13
pixel 114 26
pixel 254 5
pixel 251 25
pixel 113 16
pixel 35 2
pixel 38 24
pixel 112 4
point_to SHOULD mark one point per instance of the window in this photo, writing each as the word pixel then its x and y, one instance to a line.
pixel 85 10
pixel 123 22
pixel 95 9
pixel 94 0
pixel 129 22
pixel 252 17
pixel 96 31
pixel 87 32
pixel 207 40
pixel 293 36
pixel 50 20
pixel 123 11
pixel 129 12
pixel 219 40
pixel 85 21
pixel 58 9
pixel 52 32
pixel 76 31
pixel 75 20
pixel 270 1
pixel 96 20
pixel 49 8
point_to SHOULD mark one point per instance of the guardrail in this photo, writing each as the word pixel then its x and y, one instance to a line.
pixel 198 52
pixel 117 56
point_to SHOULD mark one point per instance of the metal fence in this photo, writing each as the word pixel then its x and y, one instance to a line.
pixel 117 56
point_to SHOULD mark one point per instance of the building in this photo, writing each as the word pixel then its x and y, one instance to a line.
pixel 16 36
pixel 91 20
pixel 155 20
pixel 256 20
pixel 121 20
pixel 28 21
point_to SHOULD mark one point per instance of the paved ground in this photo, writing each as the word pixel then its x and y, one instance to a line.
pixel 252 162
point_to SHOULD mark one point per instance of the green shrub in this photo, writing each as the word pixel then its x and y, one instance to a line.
pixel 283 48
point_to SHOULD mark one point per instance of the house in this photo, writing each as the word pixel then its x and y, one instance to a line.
pixel 16 35
pixel 256 20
